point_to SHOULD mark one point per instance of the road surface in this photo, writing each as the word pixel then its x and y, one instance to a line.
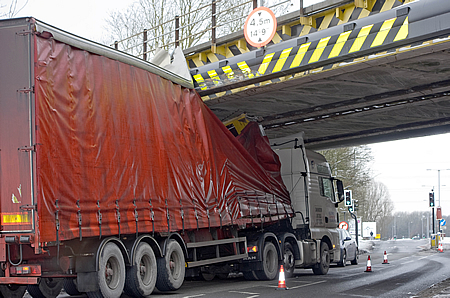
pixel 411 270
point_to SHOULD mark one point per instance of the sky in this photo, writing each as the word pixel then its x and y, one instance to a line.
pixel 400 165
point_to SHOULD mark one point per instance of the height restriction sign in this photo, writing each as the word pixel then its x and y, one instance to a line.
pixel 260 27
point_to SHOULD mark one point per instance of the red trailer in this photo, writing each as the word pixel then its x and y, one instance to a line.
pixel 114 176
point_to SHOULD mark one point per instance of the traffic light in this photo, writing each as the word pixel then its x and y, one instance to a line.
pixel 348 198
pixel 355 205
pixel 350 209
pixel 431 199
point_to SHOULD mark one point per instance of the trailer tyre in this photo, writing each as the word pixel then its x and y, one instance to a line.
pixel 141 277
pixel 289 260
pixel 111 273
pixel 47 288
pixel 171 268
pixel 269 261
pixel 12 291
pixel 70 286
pixel 324 265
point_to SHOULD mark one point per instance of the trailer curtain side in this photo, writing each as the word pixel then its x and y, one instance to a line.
pixel 122 150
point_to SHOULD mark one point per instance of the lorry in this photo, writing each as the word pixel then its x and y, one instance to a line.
pixel 116 178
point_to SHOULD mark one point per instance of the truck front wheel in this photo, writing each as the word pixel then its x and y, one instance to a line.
pixel 171 268
pixel 322 267
pixel 269 262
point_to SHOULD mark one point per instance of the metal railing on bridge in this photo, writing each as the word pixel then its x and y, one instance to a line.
pixel 214 20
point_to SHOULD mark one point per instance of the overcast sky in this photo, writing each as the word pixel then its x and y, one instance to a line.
pixel 400 165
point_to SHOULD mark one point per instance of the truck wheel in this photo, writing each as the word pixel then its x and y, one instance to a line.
pixel 12 291
pixel 207 276
pixel 141 277
pixel 288 260
pixel 111 273
pixel 47 288
pixel 269 261
pixel 250 275
pixel 343 261
pixel 70 286
pixel 324 265
pixel 171 268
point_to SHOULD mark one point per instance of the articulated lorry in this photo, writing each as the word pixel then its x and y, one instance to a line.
pixel 115 177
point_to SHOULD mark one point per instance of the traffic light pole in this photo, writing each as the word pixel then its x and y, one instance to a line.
pixel 432 216
pixel 356 226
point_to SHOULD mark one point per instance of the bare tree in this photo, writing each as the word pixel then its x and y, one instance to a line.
pixel 157 18
pixel 352 166
pixel 12 9
pixel 194 17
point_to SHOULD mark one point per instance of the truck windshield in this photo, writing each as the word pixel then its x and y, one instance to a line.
pixel 326 188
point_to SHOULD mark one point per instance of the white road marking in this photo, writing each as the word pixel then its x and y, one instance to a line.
pixel 199 295
pixel 301 286
pixel 246 293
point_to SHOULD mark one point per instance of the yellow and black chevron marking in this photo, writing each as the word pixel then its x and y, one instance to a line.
pixel 294 59
pixel 355 10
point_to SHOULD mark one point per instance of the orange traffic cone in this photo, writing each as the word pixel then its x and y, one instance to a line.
pixel 385 260
pixel 440 247
pixel 281 280
pixel 369 265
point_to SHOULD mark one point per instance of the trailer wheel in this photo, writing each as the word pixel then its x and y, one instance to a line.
pixel 289 260
pixel 269 261
pixel 111 273
pixel 12 291
pixel 47 288
pixel 171 268
pixel 141 277
pixel 324 265
pixel 70 286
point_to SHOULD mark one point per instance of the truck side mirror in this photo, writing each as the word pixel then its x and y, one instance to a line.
pixel 340 190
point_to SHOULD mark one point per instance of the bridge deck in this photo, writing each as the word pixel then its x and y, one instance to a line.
pixel 382 77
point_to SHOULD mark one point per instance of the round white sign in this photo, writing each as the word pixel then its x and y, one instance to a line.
pixel 343 225
pixel 260 27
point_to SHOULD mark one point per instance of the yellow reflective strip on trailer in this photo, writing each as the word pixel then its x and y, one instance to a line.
pixel 228 71
pixel 359 41
pixel 381 36
pixel 342 39
pixel 282 60
pixel 266 61
pixel 245 69
pixel 403 32
pixel 319 49
pixel 15 218
pixel 300 54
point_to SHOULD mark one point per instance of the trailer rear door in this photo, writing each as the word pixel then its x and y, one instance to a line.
pixel 17 148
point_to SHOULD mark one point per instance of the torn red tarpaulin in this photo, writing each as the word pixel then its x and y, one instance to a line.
pixel 119 142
